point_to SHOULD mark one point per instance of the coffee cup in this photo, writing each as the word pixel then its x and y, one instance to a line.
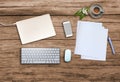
pixel 96 11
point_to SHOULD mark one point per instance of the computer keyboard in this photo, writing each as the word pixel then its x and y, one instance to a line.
pixel 40 55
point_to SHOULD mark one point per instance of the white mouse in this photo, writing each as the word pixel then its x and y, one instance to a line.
pixel 67 56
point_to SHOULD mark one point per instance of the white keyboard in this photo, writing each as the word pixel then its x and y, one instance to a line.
pixel 40 55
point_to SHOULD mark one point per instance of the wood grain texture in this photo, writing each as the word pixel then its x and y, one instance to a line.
pixel 54 7
pixel 77 70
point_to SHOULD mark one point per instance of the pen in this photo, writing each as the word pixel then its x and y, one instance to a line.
pixel 111 45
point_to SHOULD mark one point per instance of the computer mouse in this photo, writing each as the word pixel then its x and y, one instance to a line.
pixel 67 56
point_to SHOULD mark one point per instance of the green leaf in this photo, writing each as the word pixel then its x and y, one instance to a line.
pixel 81 14
pixel 78 13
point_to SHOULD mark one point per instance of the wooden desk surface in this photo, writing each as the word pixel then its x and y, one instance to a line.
pixel 61 10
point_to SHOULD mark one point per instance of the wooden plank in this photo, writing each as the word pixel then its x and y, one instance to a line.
pixel 54 7
pixel 62 71
pixel 11 32
pixel 8 45
pixel 105 19
pixel 58 73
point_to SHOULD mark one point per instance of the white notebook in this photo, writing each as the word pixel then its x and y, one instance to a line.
pixel 91 40
pixel 36 28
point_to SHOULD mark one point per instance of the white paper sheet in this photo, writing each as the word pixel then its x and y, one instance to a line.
pixel 84 31
pixel 99 47
pixel 91 40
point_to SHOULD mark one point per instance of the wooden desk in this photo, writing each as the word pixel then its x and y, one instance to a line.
pixel 61 10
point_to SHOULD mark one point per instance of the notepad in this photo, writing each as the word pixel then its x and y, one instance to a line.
pixel 36 28
pixel 91 40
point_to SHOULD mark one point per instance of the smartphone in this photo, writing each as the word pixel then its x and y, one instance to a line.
pixel 67 29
